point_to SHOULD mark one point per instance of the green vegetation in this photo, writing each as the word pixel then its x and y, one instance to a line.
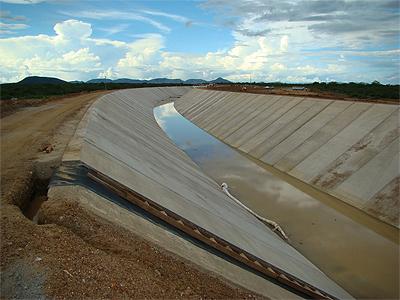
pixel 359 90
pixel 374 90
pixel 43 90
pixel 20 90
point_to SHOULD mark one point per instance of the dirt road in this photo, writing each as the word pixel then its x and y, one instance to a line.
pixel 25 131
pixel 70 253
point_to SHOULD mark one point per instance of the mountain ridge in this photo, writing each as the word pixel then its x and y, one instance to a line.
pixel 163 80
pixel 41 80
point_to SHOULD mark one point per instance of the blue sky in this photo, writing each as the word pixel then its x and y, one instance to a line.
pixel 266 40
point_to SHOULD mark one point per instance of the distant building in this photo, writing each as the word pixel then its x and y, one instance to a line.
pixel 298 88
pixel 268 87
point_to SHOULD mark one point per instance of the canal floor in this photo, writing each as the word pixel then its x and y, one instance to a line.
pixel 356 257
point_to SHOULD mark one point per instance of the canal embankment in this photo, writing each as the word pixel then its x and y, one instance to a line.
pixel 346 149
pixel 119 143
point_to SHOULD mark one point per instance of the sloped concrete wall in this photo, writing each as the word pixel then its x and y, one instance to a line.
pixel 121 138
pixel 347 149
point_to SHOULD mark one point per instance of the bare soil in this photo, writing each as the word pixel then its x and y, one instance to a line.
pixel 68 252
pixel 295 93
pixel 10 106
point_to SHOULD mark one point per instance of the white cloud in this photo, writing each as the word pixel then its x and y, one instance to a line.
pixel 114 29
pixel 22 1
pixel 117 15
pixel 72 53
pixel 30 2
pixel 284 43
pixel 109 73
pixel 65 55
pixel 278 67
pixel 72 29
pixel 314 28
pixel 307 70
pixel 174 17
pixel 8 26
pixel 81 57
pixel 142 58
pixel 66 66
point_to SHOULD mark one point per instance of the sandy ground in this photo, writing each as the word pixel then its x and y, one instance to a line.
pixel 68 252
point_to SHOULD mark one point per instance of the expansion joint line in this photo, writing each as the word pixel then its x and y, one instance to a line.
pixel 207 237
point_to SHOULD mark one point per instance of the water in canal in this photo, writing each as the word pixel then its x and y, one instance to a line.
pixel 359 259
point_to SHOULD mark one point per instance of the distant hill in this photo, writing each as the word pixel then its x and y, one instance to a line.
pixel 41 80
pixel 196 81
pixel 165 81
pixel 99 80
pixel 127 80
pixel 220 80
pixel 53 80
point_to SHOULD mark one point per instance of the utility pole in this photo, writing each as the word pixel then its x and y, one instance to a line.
pixel 105 83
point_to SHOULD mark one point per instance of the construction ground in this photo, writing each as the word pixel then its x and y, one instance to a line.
pixel 76 254
pixel 77 239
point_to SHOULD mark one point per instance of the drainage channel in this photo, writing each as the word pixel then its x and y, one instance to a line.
pixel 322 234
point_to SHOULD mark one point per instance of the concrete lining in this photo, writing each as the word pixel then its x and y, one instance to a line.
pixel 275 125
pixel 308 169
pixel 360 153
pixel 122 139
pixel 230 123
pixel 288 126
pixel 262 121
pixel 303 133
pixel 246 116
pixel 346 149
pixel 320 137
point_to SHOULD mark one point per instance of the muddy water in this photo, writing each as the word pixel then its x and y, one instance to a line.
pixel 359 259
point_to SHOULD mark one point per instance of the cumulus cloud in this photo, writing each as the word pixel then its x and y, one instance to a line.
pixel 65 54
pixel 352 21
pixel 142 58
pixel 72 29
pixel 109 73
pixel 353 28
pixel 271 43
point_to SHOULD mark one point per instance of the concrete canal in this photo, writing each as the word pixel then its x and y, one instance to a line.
pixel 356 257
